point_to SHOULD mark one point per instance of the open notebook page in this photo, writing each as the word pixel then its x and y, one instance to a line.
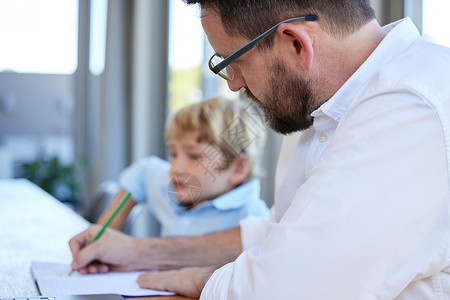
pixel 53 279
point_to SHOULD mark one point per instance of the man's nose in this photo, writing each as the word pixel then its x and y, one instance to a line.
pixel 238 81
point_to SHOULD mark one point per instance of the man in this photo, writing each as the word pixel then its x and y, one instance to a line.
pixel 362 193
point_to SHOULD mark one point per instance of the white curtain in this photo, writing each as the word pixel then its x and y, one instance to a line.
pixel 121 112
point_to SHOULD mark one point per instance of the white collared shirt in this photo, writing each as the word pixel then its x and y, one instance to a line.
pixel 362 204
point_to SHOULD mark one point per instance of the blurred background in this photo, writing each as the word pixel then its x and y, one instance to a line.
pixel 86 85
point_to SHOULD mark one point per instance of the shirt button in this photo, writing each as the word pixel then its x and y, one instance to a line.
pixel 323 137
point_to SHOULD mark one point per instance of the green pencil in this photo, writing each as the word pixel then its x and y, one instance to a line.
pixel 113 215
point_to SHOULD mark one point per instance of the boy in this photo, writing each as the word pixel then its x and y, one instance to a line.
pixel 208 183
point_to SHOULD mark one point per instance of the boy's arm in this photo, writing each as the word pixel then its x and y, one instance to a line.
pixel 121 215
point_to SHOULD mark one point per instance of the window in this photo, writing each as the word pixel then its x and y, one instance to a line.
pixel 39 36
pixel 189 51
pixel 97 38
pixel 185 55
pixel 435 20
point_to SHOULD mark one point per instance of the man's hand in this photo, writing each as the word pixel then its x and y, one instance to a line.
pixel 117 251
pixel 187 281
pixel 113 251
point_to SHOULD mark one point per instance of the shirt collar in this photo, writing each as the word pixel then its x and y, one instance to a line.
pixel 400 35
pixel 238 197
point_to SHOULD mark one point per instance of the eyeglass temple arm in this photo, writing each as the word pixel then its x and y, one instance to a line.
pixel 216 69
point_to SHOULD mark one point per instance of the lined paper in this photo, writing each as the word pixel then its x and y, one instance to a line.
pixel 52 279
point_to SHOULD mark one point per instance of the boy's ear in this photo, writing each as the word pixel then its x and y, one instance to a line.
pixel 299 44
pixel 240 168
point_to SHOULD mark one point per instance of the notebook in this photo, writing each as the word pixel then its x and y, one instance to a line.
pixel 53 278
pixel 80 297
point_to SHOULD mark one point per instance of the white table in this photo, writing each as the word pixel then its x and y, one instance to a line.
pixel 34 226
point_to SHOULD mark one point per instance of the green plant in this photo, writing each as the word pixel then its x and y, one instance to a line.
pixel 54 177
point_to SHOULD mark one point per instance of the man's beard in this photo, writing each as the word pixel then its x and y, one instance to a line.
pixel 290 102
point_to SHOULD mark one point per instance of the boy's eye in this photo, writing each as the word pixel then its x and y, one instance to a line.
pixel 195 156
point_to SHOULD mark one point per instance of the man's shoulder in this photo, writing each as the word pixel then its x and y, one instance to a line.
pixel 424 67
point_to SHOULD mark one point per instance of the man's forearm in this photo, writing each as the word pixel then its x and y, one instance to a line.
pixel 175 252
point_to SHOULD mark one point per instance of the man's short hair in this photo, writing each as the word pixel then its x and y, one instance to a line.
pixel 249 18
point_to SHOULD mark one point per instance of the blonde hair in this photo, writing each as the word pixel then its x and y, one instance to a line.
pixel 234 126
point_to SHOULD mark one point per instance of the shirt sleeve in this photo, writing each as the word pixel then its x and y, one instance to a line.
pixel 372 217
pixel 253 231
pixel 133 178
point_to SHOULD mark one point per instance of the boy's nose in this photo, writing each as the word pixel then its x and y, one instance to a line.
pixel 176 166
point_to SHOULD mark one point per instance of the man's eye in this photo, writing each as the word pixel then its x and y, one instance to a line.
pixel 195 156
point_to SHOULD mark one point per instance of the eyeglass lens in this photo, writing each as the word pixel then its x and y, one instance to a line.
pixel 227 72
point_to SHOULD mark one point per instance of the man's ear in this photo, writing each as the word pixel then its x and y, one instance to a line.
pixel 298 43
pixel 240 168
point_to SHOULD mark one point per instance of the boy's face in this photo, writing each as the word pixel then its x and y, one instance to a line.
pixel 196 170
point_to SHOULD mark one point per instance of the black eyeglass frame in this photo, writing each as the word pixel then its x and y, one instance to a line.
pixel 247 47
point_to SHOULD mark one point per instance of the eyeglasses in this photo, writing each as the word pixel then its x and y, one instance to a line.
pixel 221 66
